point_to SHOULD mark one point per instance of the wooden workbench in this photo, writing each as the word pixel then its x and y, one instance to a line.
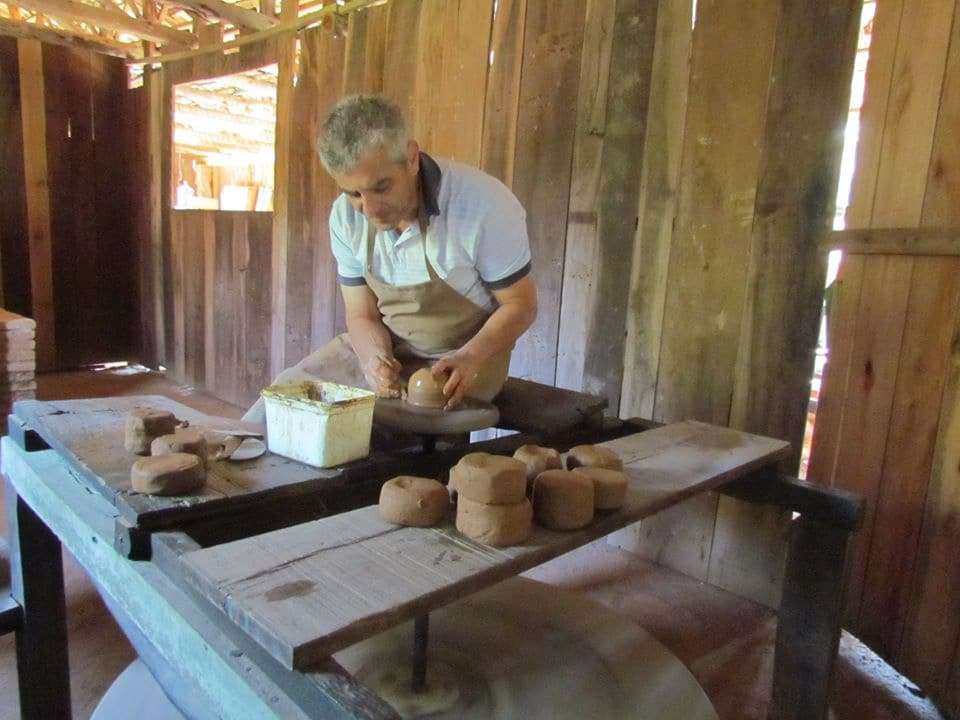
pixel 336 580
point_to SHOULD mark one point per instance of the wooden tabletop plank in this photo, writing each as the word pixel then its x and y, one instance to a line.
pixel 307 591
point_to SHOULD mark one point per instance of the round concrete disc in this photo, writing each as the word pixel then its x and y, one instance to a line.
pixel 523 649
pixel 250 449
pixel 471 415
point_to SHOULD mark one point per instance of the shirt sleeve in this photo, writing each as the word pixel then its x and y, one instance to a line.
pixel 503 253
pixel 349 267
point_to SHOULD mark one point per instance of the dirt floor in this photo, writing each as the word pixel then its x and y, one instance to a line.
pixel 726 641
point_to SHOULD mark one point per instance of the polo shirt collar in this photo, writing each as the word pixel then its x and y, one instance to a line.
pixel 430 184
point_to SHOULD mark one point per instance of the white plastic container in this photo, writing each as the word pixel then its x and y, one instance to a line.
pixel 319 423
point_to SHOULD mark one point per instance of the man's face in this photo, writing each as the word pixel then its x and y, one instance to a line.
pixel 383 189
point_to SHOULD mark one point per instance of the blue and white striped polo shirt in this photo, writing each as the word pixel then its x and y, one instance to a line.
pixel 477 239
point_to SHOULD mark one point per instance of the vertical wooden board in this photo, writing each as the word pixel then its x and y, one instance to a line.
pixel 209 298
pixel 873 113
pixel 806 115
pixel 193 248
pixel 426 105
pixel 223 294
pixel 931 312
pixel 463 79
pixel 659 183
pixel 841 328
pixel 33 118
pixel 155 248
pixel 868 402
pixel 706 284
pixel 14 249
pixel 911 113
pixel 941 203
pixel 365 48
pixel 257 310
pixel 180 223
pixel 400 56
pixel 498 145
pixel 549 82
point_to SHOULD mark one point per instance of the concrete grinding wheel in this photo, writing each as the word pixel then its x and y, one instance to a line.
pixel 523 649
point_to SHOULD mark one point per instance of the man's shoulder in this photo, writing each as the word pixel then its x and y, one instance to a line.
pixel 463 183
pixel 344 219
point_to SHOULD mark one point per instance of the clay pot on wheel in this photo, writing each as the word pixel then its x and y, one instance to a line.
pixel 424 390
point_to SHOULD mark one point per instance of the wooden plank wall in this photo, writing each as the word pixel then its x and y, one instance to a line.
pixel 887 426
pixel 674 194
pixel 66 241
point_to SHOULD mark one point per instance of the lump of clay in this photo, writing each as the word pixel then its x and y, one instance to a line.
pixel 609 487
pixel 497 525
pixel 181 441
pixel 174 474
pixel 424 390
pixel 413 501
pixel 537 459
pixel 563 500
pixel 145 424
pixel 490 479
pixel 593 456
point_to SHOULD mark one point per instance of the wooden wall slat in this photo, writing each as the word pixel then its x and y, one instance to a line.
pixel 806 115
pixel 553 37
pixel 602 220
pixel 14 252
pixel 912 113
pixel 921 371
pixel 706 286
pixel 659 184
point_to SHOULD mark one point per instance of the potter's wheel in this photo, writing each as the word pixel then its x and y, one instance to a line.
pixel 469 416
pixel 523 649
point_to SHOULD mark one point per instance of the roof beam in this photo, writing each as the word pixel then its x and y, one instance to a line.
pixel 233 14
pixel 67 37
pixel 108 19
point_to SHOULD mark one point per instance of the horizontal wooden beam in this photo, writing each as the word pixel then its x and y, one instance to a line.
pixel 895 241
pixel 230 12
pixel 280 28
pixel 108 19
pixel 67 37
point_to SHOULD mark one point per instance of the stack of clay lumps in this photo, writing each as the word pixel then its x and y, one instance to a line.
pixel 492 504
pixel 176 457
pixel 18 361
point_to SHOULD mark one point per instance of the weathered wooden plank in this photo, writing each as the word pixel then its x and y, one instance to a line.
pixel 931 311
pixel 803 142
pixel 152 279
pixel 257 307
pixel 942 197
pixel 14 249
pixel 660 175
pixel 498 146
pixel 908 130
pixel 615 72
pixel 841 328
pixel 868 402
pixel 896 241
pixel 366 45
pixel 400 56
pixel 536 408
pixel 306 591
pixel 39 241
pixel 553 36
pixel 709 254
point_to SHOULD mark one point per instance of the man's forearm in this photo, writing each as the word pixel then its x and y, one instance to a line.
pixel 370 338
pixel 500 332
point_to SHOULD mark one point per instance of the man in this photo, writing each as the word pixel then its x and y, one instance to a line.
pixel 433 262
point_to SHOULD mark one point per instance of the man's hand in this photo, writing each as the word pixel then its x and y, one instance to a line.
pixel 383 375
pixel 463 369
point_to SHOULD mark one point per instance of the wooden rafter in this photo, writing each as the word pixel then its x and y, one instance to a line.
pixel 110 19
pixel 231 13
pixel 66 36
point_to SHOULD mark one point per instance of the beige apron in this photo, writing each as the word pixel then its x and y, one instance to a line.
pixel 431 319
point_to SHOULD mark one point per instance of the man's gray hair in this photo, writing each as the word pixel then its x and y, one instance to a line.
pixel 358 124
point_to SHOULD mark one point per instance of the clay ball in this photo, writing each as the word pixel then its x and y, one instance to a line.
pixel 424 390
pixel 490 479
pixel 563 500
pixel 593 456
pixel 413 501
pixel 609 487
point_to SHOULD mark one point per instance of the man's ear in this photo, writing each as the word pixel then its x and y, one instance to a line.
pixel 413 157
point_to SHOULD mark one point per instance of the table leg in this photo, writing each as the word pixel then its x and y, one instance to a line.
pixel 808 631
pixel 36 568
pixel 421 630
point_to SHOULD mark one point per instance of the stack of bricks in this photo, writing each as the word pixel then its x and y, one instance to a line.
pixel 18 363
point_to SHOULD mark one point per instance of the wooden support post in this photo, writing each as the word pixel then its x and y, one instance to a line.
pixel 36 567
pixel 808 632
